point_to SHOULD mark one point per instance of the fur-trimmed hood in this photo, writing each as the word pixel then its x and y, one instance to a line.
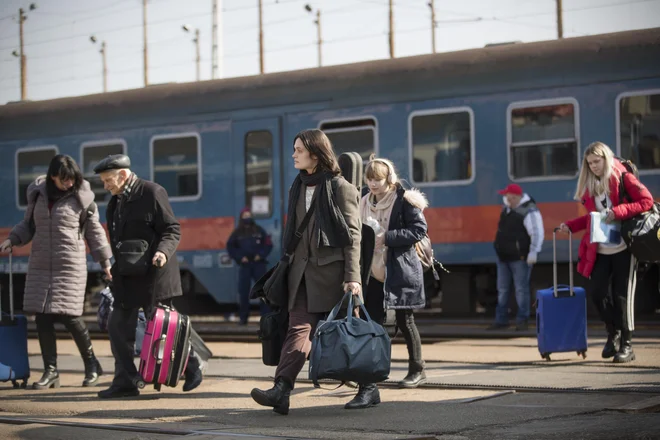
pixel 416 198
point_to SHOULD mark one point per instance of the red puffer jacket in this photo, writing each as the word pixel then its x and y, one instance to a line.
pixel 642 201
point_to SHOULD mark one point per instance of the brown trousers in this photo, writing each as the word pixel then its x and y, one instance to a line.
pixel 298 341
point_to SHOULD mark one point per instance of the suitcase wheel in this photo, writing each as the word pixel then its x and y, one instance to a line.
pixel 583 354
pixel 16 384
pixel 138 382
pixel 157 387
pixel 546 356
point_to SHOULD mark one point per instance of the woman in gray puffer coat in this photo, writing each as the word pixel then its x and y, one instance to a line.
pixel 59 218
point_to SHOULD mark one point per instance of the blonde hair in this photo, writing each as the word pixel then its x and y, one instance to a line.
pixel 587 180
pixel 380 169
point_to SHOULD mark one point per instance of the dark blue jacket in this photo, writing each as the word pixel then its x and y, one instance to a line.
pixel 404 276
pixel 249 241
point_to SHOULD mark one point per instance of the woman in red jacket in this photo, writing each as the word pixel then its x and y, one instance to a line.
pixel 598 189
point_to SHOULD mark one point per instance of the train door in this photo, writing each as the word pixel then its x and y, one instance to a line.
pixel 259 175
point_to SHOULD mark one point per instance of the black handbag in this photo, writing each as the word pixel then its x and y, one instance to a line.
pixel 350 349
pixel 272 332
pixel 133 257
pixel 273 286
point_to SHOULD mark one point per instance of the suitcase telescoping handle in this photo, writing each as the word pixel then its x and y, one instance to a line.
pixel 570 264
pixel 11 291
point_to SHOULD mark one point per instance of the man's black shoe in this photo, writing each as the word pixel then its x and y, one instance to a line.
pixel 413 380
pixel 193 380
pixel 115 392
pixel 497 326
pixel 522 326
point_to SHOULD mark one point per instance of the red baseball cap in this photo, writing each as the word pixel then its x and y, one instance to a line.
pixel 511 188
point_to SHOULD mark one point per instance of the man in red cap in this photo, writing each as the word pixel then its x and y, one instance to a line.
pixel 518 241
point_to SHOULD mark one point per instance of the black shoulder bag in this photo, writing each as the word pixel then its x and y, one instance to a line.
pixel 274 285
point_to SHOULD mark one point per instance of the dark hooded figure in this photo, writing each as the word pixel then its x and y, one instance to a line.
pixel 249 245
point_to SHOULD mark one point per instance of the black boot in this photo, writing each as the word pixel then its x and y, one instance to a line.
pixel 613 342
pixel 367 396
pixel 413 379
pixel 193 373
pixel 50 378
pixel 84 343
pixel 625 353
pixel 277 397
pixel 48 344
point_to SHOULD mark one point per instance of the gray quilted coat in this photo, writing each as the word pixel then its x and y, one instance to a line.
pixel 57 268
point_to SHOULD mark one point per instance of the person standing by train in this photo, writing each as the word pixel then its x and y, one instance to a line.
pixel 326 261
pixel 139 216
pixel 59 218
pixel 600 183
pixel 396 280
pixel 249 246
pixel 518 241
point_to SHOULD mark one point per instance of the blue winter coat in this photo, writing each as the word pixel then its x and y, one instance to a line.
pixel 404 276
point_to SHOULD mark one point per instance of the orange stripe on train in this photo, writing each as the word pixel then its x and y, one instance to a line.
pixel 462 224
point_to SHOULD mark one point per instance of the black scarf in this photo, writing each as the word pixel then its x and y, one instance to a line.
pixel 330 224
pixel 54 193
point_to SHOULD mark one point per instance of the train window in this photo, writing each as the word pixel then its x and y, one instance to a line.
pixel 358 135
pixel 639 129
pixel 176 165
pixel 259 173
pixel 441 143
pixel 91 154
pixel 30 164
pixel 543 140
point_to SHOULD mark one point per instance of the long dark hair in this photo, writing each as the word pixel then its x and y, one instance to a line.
pixel 318 144
pixel 64 167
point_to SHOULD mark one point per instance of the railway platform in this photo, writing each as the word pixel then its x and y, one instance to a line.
pixel 477 389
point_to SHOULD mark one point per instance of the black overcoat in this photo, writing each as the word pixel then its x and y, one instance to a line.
pixel 147 215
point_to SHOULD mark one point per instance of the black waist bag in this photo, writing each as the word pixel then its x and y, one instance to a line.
pixel 133 257
pixel 272 332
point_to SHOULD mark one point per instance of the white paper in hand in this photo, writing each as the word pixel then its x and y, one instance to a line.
pixel 602 232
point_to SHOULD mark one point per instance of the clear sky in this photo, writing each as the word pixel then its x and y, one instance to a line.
pixel 62 61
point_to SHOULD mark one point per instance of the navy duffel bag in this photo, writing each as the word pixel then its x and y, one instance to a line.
pixel 350 349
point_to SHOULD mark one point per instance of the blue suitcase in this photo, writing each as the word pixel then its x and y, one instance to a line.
pixel 561 313
pixel 13 339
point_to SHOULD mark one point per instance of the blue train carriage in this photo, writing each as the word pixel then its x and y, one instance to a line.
pixel 458 125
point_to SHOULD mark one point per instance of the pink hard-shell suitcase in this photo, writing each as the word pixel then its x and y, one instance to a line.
pixel 165 348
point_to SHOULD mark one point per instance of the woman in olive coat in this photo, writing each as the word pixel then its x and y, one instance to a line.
pixel 326 261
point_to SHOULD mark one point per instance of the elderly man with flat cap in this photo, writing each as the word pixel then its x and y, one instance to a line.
pixel 144 235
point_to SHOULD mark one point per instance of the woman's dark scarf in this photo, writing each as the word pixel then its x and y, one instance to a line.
pixel 329 220
pixel 54 193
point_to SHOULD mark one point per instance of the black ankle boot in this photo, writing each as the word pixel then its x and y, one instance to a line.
pixel 50 378
pixel 84 343
pixel 413 379
pixel 367 396
pixel 625 353
pixel 93 370
pixel 277 397
pixel 612 345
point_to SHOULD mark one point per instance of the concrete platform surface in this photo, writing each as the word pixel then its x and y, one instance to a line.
pixel 480 389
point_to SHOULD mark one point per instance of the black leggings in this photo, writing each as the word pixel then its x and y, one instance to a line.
pixel 48 338
pixel 374 302
pixel 618 271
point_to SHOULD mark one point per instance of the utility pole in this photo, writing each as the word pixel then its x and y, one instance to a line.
pixel 261 37
pixel 21 20
pixel 215 33
pixel 560 19
pixel 105 67
pixel 197 51
pixel 144 40
pixel 319 39
pixel 318 35
pixel 391 28
pixel 432 6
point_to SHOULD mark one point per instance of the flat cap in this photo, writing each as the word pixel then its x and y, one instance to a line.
pixel 113 162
